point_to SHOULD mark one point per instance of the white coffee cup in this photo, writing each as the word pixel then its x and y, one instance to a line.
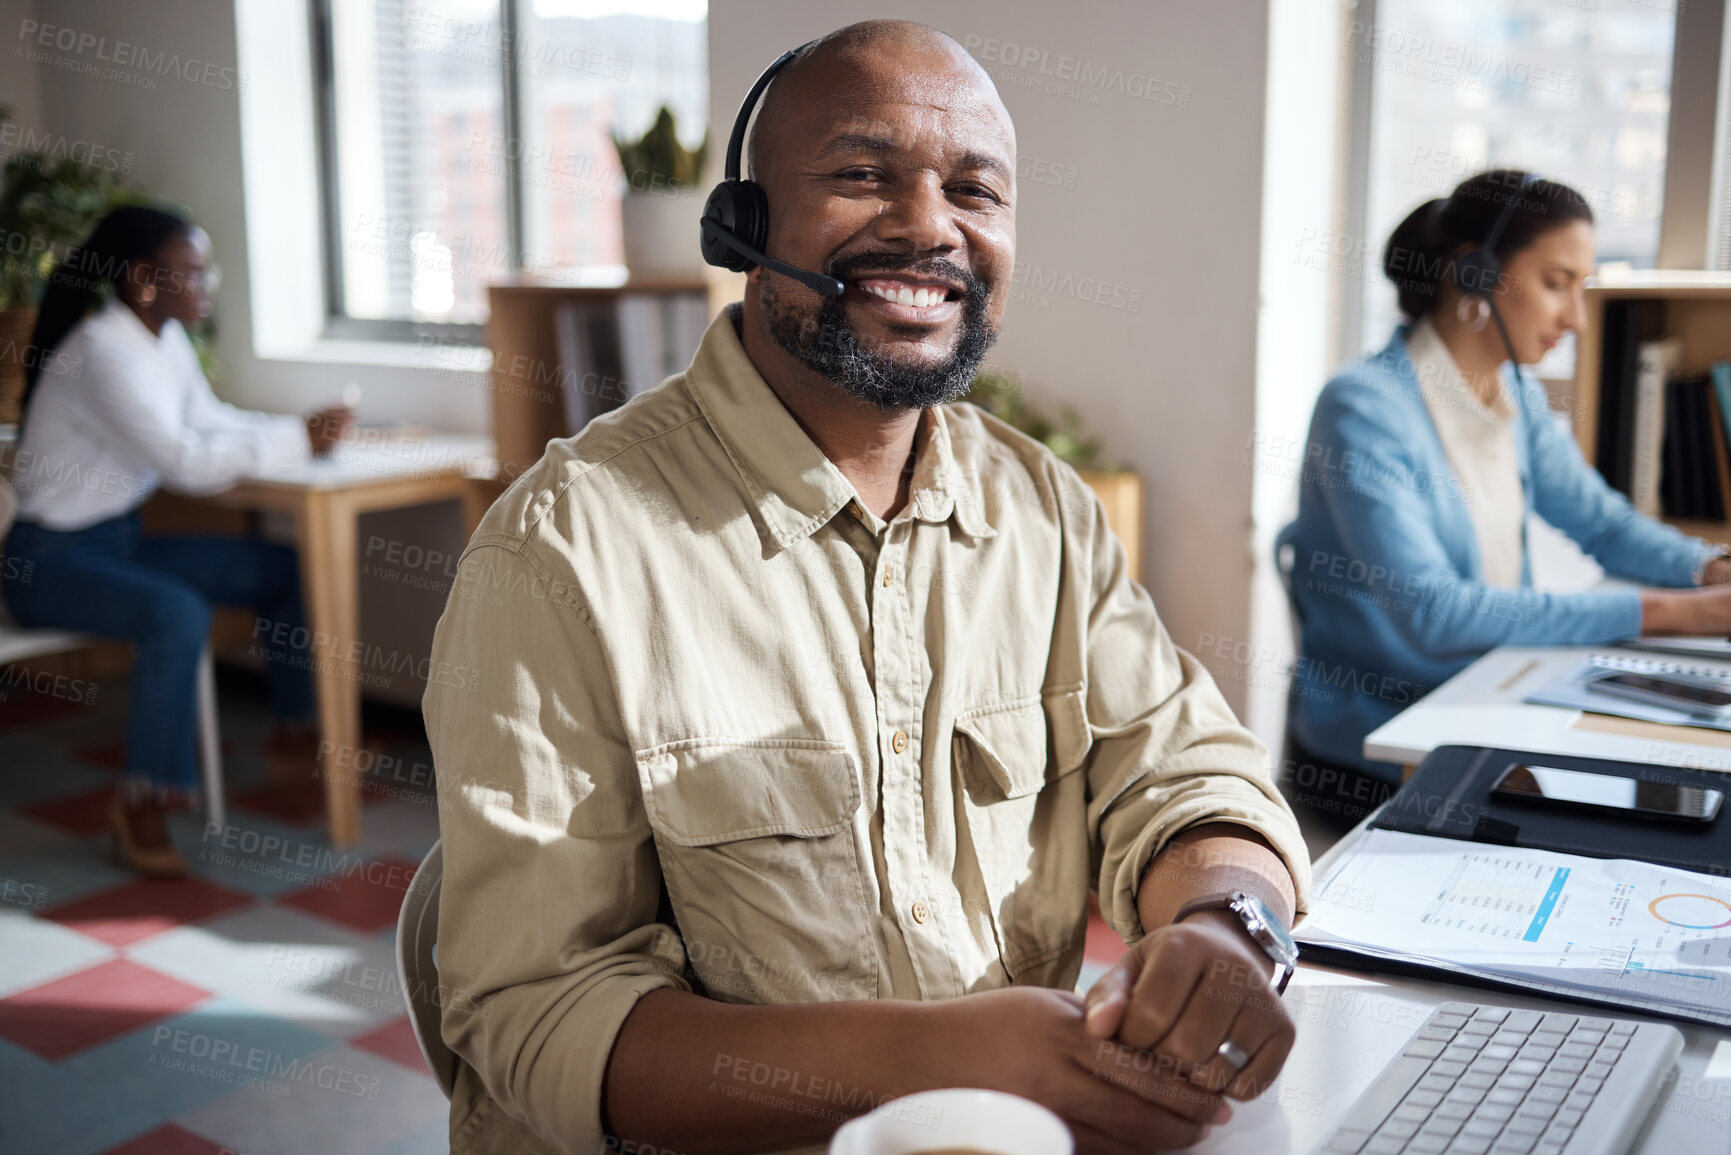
pixel 988 1121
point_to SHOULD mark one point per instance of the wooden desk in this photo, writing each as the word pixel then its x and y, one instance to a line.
pixel 325 498
pixel 1482 706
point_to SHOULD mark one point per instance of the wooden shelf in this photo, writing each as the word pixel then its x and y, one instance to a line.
pixel 1697 309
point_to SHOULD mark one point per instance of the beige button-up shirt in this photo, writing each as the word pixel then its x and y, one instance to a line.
pixel 732 732
pixel 1479 441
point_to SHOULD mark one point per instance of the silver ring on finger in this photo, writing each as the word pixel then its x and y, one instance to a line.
pixel 1234 1054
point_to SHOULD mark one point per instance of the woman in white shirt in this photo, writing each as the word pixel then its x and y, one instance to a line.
pixel 115 406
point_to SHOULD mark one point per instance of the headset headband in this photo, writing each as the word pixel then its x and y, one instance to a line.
pixel 736 139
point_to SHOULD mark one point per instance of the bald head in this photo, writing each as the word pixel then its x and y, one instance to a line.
pixel 863 63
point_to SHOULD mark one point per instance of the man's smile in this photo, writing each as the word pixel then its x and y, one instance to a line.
pixel 909 299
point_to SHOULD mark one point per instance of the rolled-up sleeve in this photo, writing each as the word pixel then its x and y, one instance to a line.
pixel 1167 751
pixel 548 930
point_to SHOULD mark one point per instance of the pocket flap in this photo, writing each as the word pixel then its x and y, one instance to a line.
pixel 1008 744
pixel 705 791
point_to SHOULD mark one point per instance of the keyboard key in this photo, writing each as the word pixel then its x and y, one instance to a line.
pixel 1402 1129
pixel 1435 1082
pixel 1462 1010
pixel 1523 1021
pixel 1479 1125
pixel 1425 1099
pixel 1544 1038
pixel 1614 1043
pixel 1578 1101
pixel 1455 1110
pixel 1572 1066
pixel 1591 1024
pixel 1590 1084
pixel 1606 1053
pixel 1506 1096
pixel 1425 1048
pixel 1543 1094
pixel 1409 1112
pixel 1570 1116
pixel 1478 1080
pixel 1435 1033
pixel 1450 1069
pixel 1448 1021
pixel 1441 1125
pixel 1495 1112
pixel 1472 1043
pixel 1384 1145
pixel 1428 1144
pixel 1586 1034
pixel 1576 1051
pixel 1526 1125
pixel 1536 1053
pixel 1499 1051
pixel 1556 1133
pixel 1556 1079
pixel 1545 1148
pixel 1557 1021
pixel 1507 1038
pixel 1465 1144
pixel 1513 1145
pixel 1528 1067
pixel 1623 1029
pixel 1513 1082
pixel 1479 1029
pixel 1471 1096
pixel 1488 1014
pixel 1345 1141
pixel 1487 1066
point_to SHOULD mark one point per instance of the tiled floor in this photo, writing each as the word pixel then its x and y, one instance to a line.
pixel 251 1010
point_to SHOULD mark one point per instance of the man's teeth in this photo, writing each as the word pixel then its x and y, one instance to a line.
pixel 918 298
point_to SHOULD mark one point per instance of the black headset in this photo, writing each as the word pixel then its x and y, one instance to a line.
pixel 736 217
pixel 1477 273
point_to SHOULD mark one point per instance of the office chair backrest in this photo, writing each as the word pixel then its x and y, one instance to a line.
pixel 8 508
pixel 417 965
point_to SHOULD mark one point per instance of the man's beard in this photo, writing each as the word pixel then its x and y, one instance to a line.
pixel 827 344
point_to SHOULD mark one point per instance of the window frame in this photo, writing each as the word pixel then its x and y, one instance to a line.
pixel 338 324
pixel 1360 81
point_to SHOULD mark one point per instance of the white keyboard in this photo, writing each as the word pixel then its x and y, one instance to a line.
pixel 1478 1080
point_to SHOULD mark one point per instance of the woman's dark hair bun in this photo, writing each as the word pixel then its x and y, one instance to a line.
pixel 1419 255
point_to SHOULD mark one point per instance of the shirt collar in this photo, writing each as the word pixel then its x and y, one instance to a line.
pixel 794 486
pixel 1435 368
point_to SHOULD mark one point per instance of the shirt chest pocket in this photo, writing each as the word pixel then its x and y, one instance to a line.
pixel 757 847
pixel 1025 815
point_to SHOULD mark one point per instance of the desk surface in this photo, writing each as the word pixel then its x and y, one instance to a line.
pixel 369 456
pixel 1482 706
pixel 1350 1025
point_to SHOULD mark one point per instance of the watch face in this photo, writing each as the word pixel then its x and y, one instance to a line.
pixel 1280 943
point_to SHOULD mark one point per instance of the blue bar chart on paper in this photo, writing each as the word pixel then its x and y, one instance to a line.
pixel 1622 932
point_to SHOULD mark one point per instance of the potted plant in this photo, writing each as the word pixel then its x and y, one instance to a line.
pixel 1119 490
pixel 46 205
pixel 660 210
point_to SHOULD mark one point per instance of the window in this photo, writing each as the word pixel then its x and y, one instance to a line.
pixel 465 141
pixel 1576 90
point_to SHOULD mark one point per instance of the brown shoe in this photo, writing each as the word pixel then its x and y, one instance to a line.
pixel 138 839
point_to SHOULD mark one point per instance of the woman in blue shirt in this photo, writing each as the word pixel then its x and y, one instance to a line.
pixel 1408 558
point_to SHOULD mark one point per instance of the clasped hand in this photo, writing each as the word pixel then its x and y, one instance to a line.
pixel 1135 1066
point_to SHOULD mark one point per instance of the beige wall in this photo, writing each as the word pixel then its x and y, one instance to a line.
pixel 1166 203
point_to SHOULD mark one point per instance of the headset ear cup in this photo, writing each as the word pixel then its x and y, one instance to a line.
pixel 1477 273
pixel 736 209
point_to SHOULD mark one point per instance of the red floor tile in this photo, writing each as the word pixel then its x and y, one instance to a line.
pixel 20 708
pixel 395 1041
pixel 85 813
pixel 298 804
pixel 169 1140
pixel 1103 945
pixel 136 910
pixel 366 896
pixel 80 1010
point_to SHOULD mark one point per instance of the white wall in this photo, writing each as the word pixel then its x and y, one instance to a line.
pixel 1167 202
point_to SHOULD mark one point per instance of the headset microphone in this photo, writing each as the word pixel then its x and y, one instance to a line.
pixel 1476 274
pixel 735 221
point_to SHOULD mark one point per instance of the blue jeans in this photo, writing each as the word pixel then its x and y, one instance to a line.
pixel 157 592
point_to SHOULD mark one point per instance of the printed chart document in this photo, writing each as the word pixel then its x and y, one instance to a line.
pixel 1630 934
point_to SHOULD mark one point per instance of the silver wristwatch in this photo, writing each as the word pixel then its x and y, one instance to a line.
pixel 1262 924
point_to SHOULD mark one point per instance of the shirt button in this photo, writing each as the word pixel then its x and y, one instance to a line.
pixel 899 742
pixel 888 570
pixel 922 912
